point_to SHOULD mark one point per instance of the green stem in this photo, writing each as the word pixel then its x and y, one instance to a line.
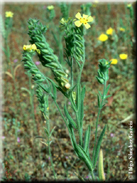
pixel 80 128
pixel 60 113
pixel 31 99
pixel 50 155
pixel 97 120
pixel 72 72
pixel 92 174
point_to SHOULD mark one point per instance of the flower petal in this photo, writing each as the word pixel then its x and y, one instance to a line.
pixel 87 25
pixel 85 16
pixel 90 19
pixel 78 15
pixel 78 23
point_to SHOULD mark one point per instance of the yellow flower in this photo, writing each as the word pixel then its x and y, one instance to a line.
pixel 63 21
pixel 122 29
pixel 83 20
pixel 109 31
pixel 114 61
pixel 9 14
pixel 129 5
pixel 51 7
pixel 123 56
pixel 30 47
pixel 27 47
pixel 103 37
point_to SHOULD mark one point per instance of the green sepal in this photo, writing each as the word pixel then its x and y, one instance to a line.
pixel 44 51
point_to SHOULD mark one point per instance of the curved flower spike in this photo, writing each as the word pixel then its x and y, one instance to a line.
pixel 83 20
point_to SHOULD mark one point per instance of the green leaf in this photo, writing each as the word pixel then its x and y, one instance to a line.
pixel 107 89
pixel 54 90
pixel 40 137
pixel 52 131
pixel 83 92
pixel 73 139
pixel 108 96
pixel 69 117
pixel 81 106
pixel 46 131
pixel 99 104
pixel 87 139
pixel 98 147
pixel 85 157
pixel 73 103
pixel 78 95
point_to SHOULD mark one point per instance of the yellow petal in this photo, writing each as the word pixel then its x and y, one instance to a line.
pixel 114 61
pixel 77 23
pixel 34 47
pixel 85 16
pixel 90 19
pixel 87 26
pixel 78 15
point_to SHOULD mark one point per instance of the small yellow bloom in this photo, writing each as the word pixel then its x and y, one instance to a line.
pixel 122 29
pixel 63 21
pixel 9 14
pixel 51 7
pixel 129 5
pixel 109 31
pixel 83 20
pixel 114 61
pixel 27 47
pixel 123 56
pixel 103 37
pixel 30 47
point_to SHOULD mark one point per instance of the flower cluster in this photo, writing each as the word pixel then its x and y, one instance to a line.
pixel 122 56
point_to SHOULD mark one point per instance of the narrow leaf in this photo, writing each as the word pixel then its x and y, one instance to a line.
pixel 85 158
pixel 98 100
pixel 107 89
pixel 87 139
pixel 98 147
pixel 69 117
